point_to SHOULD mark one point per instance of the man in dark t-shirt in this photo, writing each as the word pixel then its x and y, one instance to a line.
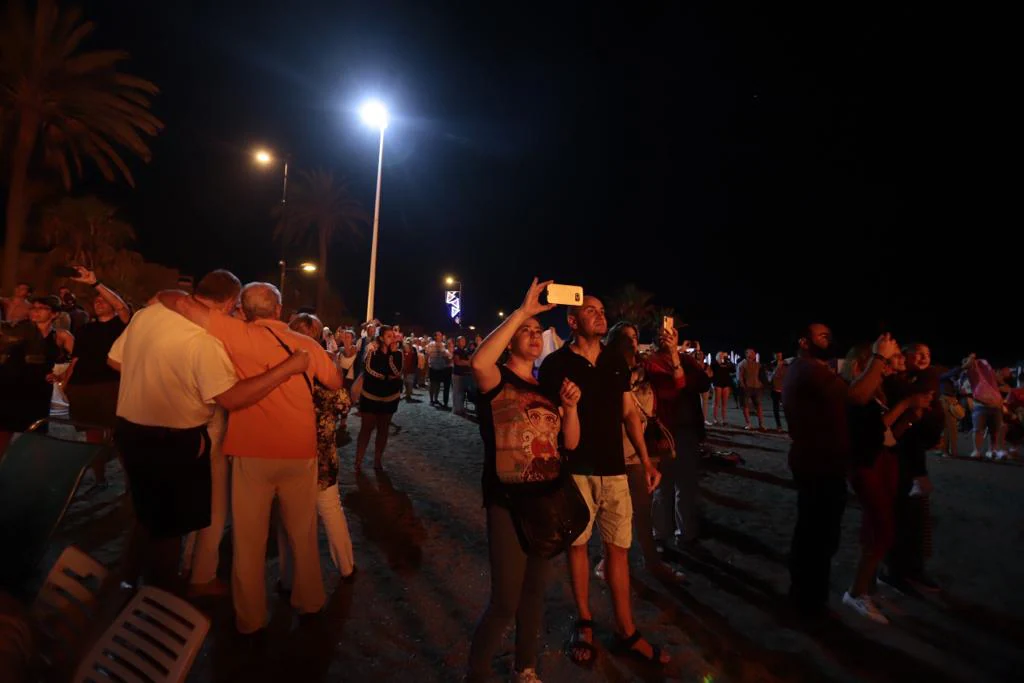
pixel 598 467
pixel 816 400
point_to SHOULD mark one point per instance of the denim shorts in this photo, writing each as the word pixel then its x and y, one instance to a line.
pixel 987 418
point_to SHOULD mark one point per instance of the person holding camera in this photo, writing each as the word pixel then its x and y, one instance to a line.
pixel 521 428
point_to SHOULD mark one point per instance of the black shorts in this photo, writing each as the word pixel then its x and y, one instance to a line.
pixel 169 473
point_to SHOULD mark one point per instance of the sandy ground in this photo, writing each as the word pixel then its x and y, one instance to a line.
pixel 423 580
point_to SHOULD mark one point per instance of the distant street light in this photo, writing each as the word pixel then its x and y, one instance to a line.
pixel 265 158
pixel 472 327
pixel 375 115
pixel 304 267
pixel 501 314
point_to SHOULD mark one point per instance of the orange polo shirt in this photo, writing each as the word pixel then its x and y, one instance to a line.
pixel 283 424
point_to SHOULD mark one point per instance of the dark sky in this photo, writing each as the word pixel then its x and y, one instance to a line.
pixel 754 165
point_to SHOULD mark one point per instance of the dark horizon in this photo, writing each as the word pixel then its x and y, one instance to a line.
pixel 756 168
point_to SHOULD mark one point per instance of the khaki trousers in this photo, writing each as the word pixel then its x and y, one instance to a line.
pixel 202 548
pixel 254 484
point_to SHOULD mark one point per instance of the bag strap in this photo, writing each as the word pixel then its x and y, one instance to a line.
pixel 309 385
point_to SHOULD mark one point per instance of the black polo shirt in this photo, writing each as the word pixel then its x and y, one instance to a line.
pixel 599 452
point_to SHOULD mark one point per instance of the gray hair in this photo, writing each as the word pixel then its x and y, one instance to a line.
pixel 260 300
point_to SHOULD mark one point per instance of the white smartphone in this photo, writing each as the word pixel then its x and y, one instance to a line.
pixel 565 295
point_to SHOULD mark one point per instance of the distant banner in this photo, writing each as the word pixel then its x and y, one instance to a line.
pixel 453 299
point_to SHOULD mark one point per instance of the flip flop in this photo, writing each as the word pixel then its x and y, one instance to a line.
pixel 626 645
pixel 577 643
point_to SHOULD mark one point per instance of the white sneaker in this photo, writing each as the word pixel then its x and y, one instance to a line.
pixel 525 676
pixel 989 455
pixel 1001 455
pixel 864 606
pixel 975 455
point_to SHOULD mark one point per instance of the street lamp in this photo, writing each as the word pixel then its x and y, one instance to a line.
pixel 265 158
pixel 304 267
pixel 375 115
pixel 501 314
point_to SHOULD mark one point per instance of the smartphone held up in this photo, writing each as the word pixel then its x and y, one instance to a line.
pixel 564 295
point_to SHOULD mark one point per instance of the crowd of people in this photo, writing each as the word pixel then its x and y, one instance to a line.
pixel 216 403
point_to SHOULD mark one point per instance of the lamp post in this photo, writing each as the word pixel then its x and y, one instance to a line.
pixel 305 267
pixel 265 158
pixel 375 114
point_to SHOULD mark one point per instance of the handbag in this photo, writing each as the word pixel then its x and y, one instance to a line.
pixel 548 517
pixel 658 437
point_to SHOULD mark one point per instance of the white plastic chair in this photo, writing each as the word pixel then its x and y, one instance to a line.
pixel 66 605
pixel 155 639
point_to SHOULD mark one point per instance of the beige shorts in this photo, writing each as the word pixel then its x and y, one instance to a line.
pixel 610 506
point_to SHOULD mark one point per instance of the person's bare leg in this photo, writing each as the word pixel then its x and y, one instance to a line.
pixel 867 569
pixel 746 411
pixel 369 420
pixel 725 403
pixel 617 570
pixel 579 576
pixel 716 400
pixel 383 424
pixel 760 414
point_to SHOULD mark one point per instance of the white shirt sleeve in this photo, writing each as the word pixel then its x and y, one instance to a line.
pixel 116 352
pixel 214 374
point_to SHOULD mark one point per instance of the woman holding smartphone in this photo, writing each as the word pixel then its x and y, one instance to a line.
pixel 521 430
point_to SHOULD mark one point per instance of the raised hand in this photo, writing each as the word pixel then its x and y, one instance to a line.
pixel 85 276
pixel 531 305
pixel 885 346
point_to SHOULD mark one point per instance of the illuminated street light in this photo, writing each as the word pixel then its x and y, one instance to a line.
pixel 472 327
pixel 263 157
pixel 501 314
pixel 375 114
pixel 449 281
pixel 307 267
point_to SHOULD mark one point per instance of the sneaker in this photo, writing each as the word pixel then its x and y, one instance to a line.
pixel 748 428
pixel 864 606
pixel 989 455
pixel 525 676
pixel 975 455
pixel 1001 456
pixel 925 583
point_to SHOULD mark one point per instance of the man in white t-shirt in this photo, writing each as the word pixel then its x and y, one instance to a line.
pixel 173 374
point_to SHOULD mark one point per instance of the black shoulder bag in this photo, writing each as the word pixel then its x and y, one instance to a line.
pixel 549 517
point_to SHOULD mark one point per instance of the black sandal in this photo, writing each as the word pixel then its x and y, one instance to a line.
pixel 626 645
pixel 577 643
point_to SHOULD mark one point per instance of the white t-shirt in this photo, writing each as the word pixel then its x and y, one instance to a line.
pixel 171 370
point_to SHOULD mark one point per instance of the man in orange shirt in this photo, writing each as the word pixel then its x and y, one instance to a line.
pixel 273 449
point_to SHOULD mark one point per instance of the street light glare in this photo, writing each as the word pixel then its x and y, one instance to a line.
pixel 375 114
pixel 449 281
pixel 263 157
pixel 308 267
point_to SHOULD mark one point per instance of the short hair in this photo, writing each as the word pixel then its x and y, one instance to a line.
pixel 219 286
pixel 260 300
pixel 307 321
pixel 31 289
pixel 858 358
pixel 306 310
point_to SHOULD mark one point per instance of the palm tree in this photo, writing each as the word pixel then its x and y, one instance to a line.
pixel 59 104
pixel 319 208
pixel 86 229
pixel 633 304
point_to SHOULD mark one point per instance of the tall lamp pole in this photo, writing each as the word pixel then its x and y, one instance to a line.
pixel 375 114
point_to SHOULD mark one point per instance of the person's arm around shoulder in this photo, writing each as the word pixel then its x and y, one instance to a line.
pixel 324 369
pixel 217 381
pixel 183 304
pixel 484 362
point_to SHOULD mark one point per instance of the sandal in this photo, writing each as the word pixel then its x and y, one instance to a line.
pixel 626 645
pixel 577 643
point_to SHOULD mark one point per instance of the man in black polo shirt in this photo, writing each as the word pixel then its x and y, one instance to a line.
pixel 816 401
pixel 598 466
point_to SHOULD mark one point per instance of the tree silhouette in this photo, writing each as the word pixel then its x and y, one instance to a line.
pixel 60 104
pixel 319 209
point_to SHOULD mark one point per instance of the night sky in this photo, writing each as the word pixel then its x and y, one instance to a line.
pixel 756 166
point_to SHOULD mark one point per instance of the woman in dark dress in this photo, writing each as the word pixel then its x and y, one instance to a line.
pixel 521 429
pixel 723 376
pixel 378 389
pixel 30 350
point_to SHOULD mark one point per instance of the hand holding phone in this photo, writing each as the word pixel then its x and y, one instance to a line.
pixel 565 295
